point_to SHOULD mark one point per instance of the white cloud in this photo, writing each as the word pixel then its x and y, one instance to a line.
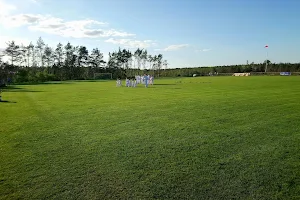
pixel 130 43
pixel 57 26
pixel 19 20
pixel 5 39
pixel 173 47
pixel 5 8
pixel 202 50
pixel 181 46
pixel 52 25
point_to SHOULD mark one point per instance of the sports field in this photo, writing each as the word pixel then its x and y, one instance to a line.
pixel 188 138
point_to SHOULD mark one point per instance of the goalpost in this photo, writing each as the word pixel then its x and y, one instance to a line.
pixel 102 76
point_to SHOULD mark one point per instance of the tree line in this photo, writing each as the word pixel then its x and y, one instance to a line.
pixel 253 68
pixel 40 62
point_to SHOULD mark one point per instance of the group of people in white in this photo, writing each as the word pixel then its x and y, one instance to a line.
pixel 133 81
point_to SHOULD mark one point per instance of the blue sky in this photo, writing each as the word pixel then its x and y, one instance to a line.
pixel 188 33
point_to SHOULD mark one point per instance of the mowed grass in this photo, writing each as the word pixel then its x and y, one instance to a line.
pixel 189 138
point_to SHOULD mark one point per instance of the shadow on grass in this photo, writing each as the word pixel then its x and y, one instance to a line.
pixel 22 90
pixel 4 101
pixel 58 82
pixel 45 83
pixel 12 88
pixel 80 81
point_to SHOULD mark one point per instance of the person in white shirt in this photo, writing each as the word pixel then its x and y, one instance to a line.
pixel 150 80
pixel 129 83
pixel 146 80
pixel 126 82
pixel 138 81
pixel 119 82
pixel 133 82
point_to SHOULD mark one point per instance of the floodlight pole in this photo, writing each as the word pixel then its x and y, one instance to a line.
pixel 266 68
pixel 266 61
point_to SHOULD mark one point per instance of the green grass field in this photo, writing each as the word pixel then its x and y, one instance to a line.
pixel 189 138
